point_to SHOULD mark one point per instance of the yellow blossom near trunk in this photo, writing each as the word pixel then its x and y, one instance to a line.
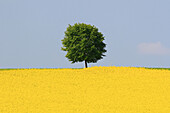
pixel 91 90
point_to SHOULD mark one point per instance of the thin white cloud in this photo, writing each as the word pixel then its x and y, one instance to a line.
pixel 153 49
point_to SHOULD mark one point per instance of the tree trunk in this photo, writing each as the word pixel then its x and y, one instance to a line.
pixel 85 63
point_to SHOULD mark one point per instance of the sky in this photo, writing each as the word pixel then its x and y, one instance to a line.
pixel 136 32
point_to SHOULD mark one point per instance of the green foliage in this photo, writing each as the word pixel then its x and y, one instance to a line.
pixel 83 43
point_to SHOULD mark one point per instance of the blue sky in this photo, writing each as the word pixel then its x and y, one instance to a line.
pixel 136 31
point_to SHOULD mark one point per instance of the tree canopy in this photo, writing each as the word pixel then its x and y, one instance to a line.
pixel 83 43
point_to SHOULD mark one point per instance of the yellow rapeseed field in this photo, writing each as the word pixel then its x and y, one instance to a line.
pixel 91 90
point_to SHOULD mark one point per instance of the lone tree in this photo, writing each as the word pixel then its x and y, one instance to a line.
pixel 83 43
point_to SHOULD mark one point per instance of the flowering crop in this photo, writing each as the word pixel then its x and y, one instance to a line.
pixel 91 90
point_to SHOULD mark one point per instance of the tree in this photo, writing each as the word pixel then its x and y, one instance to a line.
pixel 83 43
